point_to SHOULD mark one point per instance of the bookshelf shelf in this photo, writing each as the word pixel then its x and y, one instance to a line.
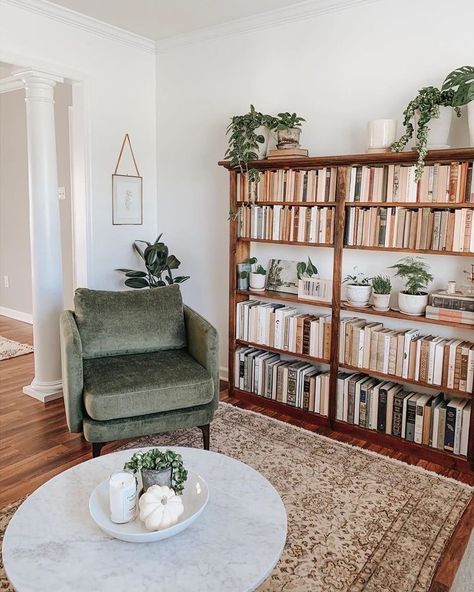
pixel 240 250
pixel 400 250
pixel 283 297
pixel 394 314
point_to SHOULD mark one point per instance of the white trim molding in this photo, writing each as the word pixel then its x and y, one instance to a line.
pixel 264 20
pixel 9 84
pixel 84 22
pixel 25 317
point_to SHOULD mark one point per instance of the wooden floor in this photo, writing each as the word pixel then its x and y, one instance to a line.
pixel 35 445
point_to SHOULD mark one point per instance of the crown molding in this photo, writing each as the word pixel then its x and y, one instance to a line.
pixel 10 83
pixel 84 22
pixel 265 20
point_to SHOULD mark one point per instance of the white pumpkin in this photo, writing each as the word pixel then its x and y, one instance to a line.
pixel 160 507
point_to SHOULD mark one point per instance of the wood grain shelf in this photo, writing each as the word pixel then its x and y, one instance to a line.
pixel 394 378
pixel 308 204
pixel 395 314
pixel 283 352
pixel 403 204
pixel 282 297
pixel 282 242
pixel 403 250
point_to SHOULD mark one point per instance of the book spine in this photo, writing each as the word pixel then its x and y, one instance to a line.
pixel 450 428
pixel 382 410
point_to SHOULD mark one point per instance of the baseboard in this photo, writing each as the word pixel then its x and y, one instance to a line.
pixel 16 314
pixel 224 373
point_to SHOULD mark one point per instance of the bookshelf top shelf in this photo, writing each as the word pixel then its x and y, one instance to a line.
pixel 409 157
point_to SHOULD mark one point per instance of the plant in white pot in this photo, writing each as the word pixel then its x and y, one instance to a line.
pixel 358 289
pixel 416 274
pixel 381 288
pixel 288 130
pixel 257 275
pixel 461 82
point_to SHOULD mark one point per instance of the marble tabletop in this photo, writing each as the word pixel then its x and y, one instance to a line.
pixel 52 542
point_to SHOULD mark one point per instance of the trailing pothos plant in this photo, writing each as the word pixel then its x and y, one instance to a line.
pixel 159 266
pixel 425 106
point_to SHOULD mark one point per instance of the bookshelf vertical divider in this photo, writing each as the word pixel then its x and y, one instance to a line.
pixel 240 250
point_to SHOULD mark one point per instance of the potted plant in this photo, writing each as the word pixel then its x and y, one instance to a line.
pixel 461 81
pixel 381 288
pixel 306 270
pixel 288 130
pixel 159 468
pixel 257 275
pixel 415 272
pixel 158 263
pixel 358 289
pixel 432 110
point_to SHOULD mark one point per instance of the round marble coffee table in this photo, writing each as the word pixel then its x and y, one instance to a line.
pixel 52 542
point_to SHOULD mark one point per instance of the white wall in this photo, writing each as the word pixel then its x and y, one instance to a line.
pixel 338 70
pixel 119 96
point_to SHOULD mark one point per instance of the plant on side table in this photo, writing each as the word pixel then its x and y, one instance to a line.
pixel 416 274
pixel 159 468
pixel 381 288
pixel 158 263
pixel 358 289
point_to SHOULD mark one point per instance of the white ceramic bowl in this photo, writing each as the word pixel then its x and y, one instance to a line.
pixel 195 498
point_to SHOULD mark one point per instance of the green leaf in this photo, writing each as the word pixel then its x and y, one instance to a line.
pixel 179 279
pixel 136 274
pixel 137 282
pixel 172 262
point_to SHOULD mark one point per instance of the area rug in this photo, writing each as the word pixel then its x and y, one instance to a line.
pixel 12 349
pixel 357 521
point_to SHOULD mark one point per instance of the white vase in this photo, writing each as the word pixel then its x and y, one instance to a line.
pixel 381 302
pixel 257 282
pixel 382 133
pixel 470 115
pixel 262 148
pixel 412 304
pixel 439 128
pixel 358 295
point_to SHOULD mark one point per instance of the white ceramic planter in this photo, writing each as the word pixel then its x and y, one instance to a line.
pixel 439 128
pixel 358 295
pixel 257 282
pixel 382 133
pixel 470 114
pixel 381 302
pixel 263 148
pixel 412 304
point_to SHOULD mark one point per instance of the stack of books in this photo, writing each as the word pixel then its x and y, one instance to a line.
pixel 290 185
pixel 450 183
pixel 411 228
pixel 457 307
pixel 432 420
pixel 433 360
pixel 295 383
pixel 287 223
pixel 283 327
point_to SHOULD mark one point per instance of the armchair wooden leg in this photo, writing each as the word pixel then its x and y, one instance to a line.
pixel 205 435
pixel 96 448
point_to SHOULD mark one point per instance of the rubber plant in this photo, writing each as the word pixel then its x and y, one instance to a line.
pixel 425 106
pixel 159 266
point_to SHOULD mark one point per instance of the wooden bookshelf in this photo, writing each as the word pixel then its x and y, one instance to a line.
pixel 240 251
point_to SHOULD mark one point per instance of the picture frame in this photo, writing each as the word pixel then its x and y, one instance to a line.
pixel 127 200
pixel 282 276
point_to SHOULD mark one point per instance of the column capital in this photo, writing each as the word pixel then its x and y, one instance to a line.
pixel 39 86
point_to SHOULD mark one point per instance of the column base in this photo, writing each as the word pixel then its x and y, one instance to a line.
pixel 44 391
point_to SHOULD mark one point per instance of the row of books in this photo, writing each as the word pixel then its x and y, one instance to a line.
pixel 452 183
pixel 414 228
pixel 431 420
pixel 426 358
pixel 295 383
pixel 286 223
pixel 283 327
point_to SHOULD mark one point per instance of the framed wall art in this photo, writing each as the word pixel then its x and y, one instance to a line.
pixel 127 193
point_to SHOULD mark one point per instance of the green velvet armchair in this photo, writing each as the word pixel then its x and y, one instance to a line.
pixel 136 363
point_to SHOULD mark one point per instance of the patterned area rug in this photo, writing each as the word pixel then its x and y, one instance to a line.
pixel 357 521
pixel 12 349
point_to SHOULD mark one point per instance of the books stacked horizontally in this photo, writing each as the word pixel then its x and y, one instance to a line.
pixel 429 359
pixel 295 383
pixel 380 405
pixel 300 224
pixel 456 308
pixel 414 228
pixel 290 185
pixel 283 327
pixel 396 183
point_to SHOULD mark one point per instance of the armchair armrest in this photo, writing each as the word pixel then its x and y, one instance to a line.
pixel 203 345
pixel 72 370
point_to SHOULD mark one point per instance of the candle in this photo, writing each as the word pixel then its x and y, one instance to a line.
pixel 123 497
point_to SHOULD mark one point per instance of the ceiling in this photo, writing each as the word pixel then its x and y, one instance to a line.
pixel 159 19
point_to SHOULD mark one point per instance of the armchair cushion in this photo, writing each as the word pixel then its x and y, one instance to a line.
pixel 142 384
pixel 129 322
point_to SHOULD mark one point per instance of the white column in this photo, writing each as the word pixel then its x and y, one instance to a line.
pixel 45 237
